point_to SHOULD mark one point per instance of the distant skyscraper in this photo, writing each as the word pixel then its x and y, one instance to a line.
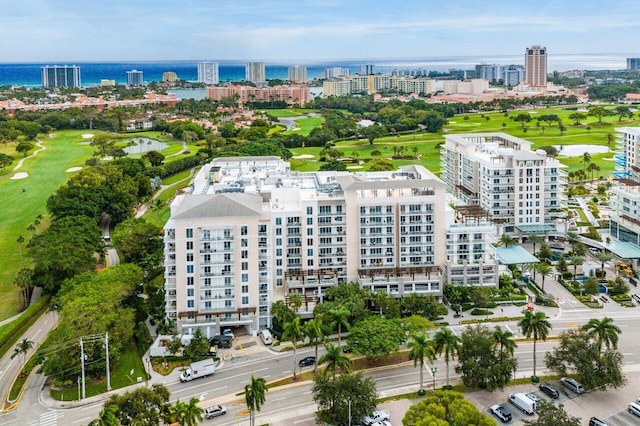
pixel 334 72
pixel 633 63
pixel 535 66
pixel 488 72
pixel 254 72
pixel 208 73
pixel 134 78
pixel 169 77
pixel 512 75
pixel 61 76
pixel 298 73
pixel 367 69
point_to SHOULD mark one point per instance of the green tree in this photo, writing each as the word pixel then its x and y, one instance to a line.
pixel 586 160
pixel 103 142
pixel 481 363
pixel 504 339
pixel 544 269
pixel 622 111
pixel 5 160
pixel 424 305
pixel 281 314
pixel 523 118
pixel 107 417
pixel 603 257
pixel 534 239
pixel 198 346
pixel 535 325
pixel 577 117
pixel 255 395
pixel 339 320
pixel 174 345
pixel 604 332
pixel 335 360
pixel 315 331
pixel 420 347
pixel 551 415
pixel 444 408
pixel 575 260
pixel 577 353
pixel 598 112
pixel 376 337
pixel 446 342
pixel 154 158
pixel 186 414
pixel 139 242
pixel 24 148
pixel 381 166
pixel 507 241
pixel 295 301
pixel 371 133
pixel 142 406
pixel 293 332
pixel 23 280
pixel 347 393
pixel 22 348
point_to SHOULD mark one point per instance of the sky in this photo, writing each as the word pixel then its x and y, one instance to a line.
pixel 310 30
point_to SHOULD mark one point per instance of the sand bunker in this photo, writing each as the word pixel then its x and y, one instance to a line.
pixel 20 175
pixel 87 135
pixel 302 157
pixel 354 167
pixel 73 169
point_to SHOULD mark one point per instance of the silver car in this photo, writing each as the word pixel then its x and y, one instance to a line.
pixel 215 411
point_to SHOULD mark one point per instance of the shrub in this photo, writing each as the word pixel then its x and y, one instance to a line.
pixel 477 311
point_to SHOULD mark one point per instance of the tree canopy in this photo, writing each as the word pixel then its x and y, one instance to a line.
pixel 445 408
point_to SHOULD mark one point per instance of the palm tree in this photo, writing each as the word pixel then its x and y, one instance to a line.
pixel 292 331
pixel 536 325
pixel 534 239
pixel 575 260
pixel 339 319
pixel 573 238
pixel 335 360
pixel 255 394
pixel 177 412
pixel 420 348
pixel 22 348
pixel 314 330
pixel 544 269
pixel 506 241
pixel 504 338
pixel 445 341
pixel 192 414
pixel 603 258
pixel 295 301
pixel 603 331
pixel 586 159
pixel 107 417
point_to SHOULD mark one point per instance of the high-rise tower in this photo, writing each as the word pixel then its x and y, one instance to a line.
pixel 254 72
pixel 208 73
pixel 535 66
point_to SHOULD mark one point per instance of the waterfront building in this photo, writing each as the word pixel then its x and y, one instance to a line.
pixel 512 75
pixel 107 83
pixel 208 73
pixel 376 83
pixel 521 189
pixel 295 94
pixel 298 73
pixel 135 78
pixel 65 76
pixel 255 72
pixel 535 66
pixel 367 69
pixel 633 63
pixel 169 77
pixel 474 86
pixel 625 200
pixel 335 72
pixel 492 73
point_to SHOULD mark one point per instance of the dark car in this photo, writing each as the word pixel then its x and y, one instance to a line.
pixel 221 341
pixel 549 390
pixel 305 362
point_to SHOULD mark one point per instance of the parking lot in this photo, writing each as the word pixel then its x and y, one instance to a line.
pixel 610 406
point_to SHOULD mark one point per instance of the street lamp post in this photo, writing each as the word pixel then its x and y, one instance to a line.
pixel 433 373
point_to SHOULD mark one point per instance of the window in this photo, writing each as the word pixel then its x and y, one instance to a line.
pixel 278 231
pixel 190 292
pixel 309 262
pixel 245 300
pixel 309 221
pixel 245 266
pixel 243 230
pixel 245 278
pixel 189 232
pixel 190 280
pixel 310 231
pixel 278 221
pixel 244 254
pixel 309 210
pixel 245 289
pixel 189 269
pixel 190 304
pixel 244 242
pixel 309 252
pixel 189 257
pixel 278 241
pixel 189 245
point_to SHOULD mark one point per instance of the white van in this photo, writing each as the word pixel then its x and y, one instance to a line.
pixel 634 409
pixel 523 402
pixel 266 337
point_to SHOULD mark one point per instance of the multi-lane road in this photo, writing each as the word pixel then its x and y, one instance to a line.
pixel 295 402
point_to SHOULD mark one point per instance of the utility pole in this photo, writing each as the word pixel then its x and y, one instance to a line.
pixel 82 364
pixel 106 345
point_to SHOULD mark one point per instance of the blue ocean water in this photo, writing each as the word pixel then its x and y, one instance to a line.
pixel 93 72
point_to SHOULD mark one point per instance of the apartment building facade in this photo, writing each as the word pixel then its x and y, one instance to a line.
pixel 624 219
pixel 298 73
pixel 295 94
pixel 521 189
pixel 535 66
pixel 255 72
pixel 376 83
pixel 135 78
pixel 66 76
pixel 252 232
pixel 208 73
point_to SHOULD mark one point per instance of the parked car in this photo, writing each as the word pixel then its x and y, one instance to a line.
pixel 228 332
pixel 594 421
pixel 549 390
pixel 378 416
pixel 634 409
pixel 501 412
pixel 221 341
pixel 533 397
pixel 305 362
pixel 215 411
pixel 572 385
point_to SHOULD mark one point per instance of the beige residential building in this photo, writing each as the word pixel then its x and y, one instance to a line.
pixel 535 66
pixel 376 83
pixel 255 72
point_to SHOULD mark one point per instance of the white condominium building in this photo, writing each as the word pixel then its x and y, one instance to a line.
pixel 252 232
pixel 255 72
pixel 521 189
pixel 208 73
pixel 625 200
pixel 376 83
pixel 298 73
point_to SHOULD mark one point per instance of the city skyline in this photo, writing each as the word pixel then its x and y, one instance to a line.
pixel 308 30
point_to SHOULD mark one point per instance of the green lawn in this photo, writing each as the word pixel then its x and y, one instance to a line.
pixel 120 377
pixel 306 125
pixel 288 112
pixel 24 199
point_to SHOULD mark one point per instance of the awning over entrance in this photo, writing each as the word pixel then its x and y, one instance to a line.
pixel 514 255
pixel 534 229
pixel 623 249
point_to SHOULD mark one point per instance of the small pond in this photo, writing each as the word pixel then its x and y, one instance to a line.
pixel 578 150
pixel 142 145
